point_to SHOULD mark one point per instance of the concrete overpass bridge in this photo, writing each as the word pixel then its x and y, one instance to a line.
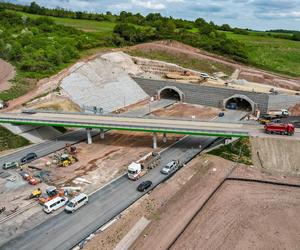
pixel 150 125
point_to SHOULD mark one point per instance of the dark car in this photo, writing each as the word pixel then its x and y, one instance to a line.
pixel 28 158
pixel 144 185
pixel 265 116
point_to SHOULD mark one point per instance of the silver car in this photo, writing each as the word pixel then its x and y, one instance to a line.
pixel 12 164
pixel 170 167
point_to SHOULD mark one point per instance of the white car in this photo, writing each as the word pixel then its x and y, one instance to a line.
pixel 204 75
pixel 77 202
pixel 55 204
pixel 170 167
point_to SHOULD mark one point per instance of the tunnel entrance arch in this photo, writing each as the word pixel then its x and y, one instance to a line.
pixel 171 92
pixel 240 102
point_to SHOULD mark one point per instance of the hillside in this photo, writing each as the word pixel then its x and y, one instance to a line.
pixel 39 46
pixel 270 53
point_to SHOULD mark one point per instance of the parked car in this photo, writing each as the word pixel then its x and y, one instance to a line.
pixel 28 158
pixel 266 116
pixel 3 104
pixel 12 164
pixel 231 105
pixel 204 75
pixel 76 203
pixel 169 168
pixel 55 204
pixel 144 185
pixel 221 114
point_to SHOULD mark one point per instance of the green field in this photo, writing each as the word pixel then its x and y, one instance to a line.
pixel 10 141
pixel 104 28
pixel 238 151
pixel 273 54
pixel 263 51
pixel 183 61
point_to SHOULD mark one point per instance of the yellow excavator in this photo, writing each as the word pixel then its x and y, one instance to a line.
pixel 35 194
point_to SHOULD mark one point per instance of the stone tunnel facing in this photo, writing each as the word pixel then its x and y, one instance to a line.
pixel 238 104
pixel 170 94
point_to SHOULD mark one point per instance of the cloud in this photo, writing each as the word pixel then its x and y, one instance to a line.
pixel 255 14
pixel 280 9
pixel 175 1
pixel 151 5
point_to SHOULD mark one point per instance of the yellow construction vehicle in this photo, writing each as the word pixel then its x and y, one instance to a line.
pixel 67 160
pixel 35 194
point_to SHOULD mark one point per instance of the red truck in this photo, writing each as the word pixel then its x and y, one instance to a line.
pixel 280 128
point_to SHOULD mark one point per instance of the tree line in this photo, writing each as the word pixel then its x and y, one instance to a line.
pixel 38 47
pixel 135 28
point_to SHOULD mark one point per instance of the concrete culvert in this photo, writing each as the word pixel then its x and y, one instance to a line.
pixel 171 93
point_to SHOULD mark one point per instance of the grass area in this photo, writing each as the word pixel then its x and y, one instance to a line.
pixel 274 54
pixel 238 151
pixel 184 61
pixel 8 140
pixel 58 105
pixel 103 27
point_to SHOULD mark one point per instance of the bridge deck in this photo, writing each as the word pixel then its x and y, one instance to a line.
pixel 135 124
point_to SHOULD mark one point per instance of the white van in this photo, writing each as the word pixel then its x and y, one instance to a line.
pixel 55 204
pixel 77 202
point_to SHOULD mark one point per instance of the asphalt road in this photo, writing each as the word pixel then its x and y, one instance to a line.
pixel 64 231
pixel 47 147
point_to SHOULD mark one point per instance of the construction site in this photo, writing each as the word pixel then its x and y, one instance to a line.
pixel 204 199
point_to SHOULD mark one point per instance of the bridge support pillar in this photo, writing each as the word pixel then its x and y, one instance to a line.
pixel 102 134
pixel 89 136
pixel 154 140
pixel 164 138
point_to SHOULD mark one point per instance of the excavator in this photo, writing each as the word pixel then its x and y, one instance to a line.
pixel 35 194
pixel 51 193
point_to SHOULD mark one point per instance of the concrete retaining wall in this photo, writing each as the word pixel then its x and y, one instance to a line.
pixel 283 101
pixel 276 154
pixel 203 95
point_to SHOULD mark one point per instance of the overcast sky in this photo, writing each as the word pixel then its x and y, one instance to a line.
pixel 254 14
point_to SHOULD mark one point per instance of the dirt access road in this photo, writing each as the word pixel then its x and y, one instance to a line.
pixel 240 215
pixel 245 72
pixel 246 216
pixel 7 72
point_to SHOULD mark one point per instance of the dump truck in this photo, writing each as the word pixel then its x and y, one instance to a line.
pixel 279 113
pixel 138 169
pixel 280 128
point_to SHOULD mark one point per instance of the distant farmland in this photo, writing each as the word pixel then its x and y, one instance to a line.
pixel 274 54
pixel 263 51
pixel 104 28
